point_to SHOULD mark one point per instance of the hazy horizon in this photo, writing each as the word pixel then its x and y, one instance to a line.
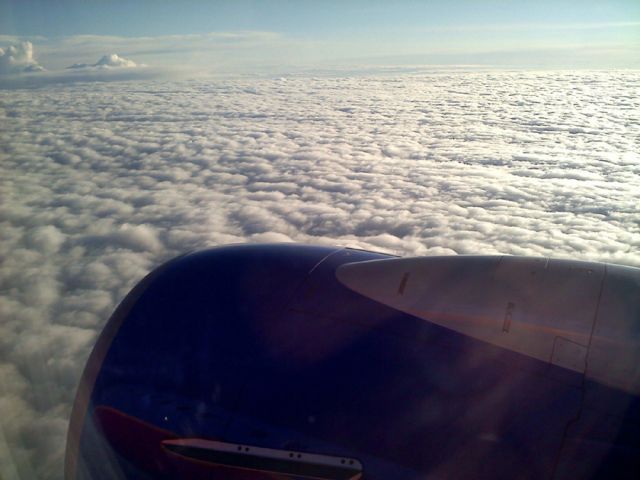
pixel 197 37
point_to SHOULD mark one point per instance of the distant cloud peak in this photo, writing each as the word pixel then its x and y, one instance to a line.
pixel 112 60
pixel 18 58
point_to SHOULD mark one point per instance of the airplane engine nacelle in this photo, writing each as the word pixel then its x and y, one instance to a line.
pixel 292 361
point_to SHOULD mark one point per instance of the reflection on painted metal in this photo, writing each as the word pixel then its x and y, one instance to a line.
pixel 507 317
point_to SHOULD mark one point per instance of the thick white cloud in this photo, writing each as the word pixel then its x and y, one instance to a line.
pixel 18 58
pixel 100 183
pixel 107 61
pixel 113 60
pixel 18 69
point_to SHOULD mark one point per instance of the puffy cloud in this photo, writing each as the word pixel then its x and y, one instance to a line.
pixel 17 68
pixel 113 60
pixel 46 239
pixel 18 58
pixel 107 61
pixel 100 183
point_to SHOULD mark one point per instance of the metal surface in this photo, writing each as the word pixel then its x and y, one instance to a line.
pixel 478 368
pixel 542 308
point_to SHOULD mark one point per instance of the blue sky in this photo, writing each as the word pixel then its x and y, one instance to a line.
pixel 249 34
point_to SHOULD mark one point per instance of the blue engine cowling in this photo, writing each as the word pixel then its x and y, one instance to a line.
pixel 255 361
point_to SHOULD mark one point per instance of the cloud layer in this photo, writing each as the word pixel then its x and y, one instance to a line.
pixel 100 183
